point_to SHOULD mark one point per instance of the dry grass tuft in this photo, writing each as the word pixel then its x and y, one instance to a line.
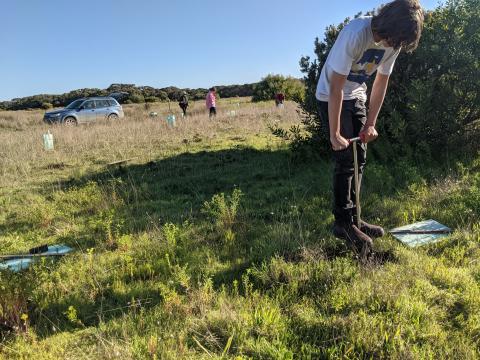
pixel 88 146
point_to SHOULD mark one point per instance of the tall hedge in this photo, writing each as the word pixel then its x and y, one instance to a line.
pixel 432 107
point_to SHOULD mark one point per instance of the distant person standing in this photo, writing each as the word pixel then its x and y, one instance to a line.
pixel 183 103
pixel 279 99
pixel 211 102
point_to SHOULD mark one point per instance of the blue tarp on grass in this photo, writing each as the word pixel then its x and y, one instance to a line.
pixel 414 240
pixel 22 263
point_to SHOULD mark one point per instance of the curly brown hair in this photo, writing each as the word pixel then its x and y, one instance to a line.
pixel 400 24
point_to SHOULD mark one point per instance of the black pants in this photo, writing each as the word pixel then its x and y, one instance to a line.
pixel 213 111
pixel 352 120
pixel 184 108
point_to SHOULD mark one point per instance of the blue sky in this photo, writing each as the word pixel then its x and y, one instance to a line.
pixel 54 46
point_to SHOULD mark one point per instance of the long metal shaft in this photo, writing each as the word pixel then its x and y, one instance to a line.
pixel 420 232
pixel 357 184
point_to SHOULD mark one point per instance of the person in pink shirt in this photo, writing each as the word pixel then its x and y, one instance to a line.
pixel 211 106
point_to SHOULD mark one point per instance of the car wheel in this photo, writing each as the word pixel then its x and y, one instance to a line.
pixel 70 121
pixel 113 117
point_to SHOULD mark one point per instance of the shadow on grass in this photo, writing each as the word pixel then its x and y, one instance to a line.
pixel 280 195
pixel 285 208
pixel 277 196
pixel 175 188
pixel 62 315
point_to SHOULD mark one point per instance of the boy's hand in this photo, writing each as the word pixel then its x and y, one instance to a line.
pixel 339 142
pixel 368 134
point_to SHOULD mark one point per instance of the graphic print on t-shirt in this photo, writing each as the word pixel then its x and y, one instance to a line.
pixel 365 67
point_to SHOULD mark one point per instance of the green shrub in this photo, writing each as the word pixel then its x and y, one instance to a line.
pixel 270 85
pixel 151 99
pixel 162 95
pixel 137 98
pixel 223 210
pixel 432 106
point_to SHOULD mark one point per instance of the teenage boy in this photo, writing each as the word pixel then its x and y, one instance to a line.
pixel 364 46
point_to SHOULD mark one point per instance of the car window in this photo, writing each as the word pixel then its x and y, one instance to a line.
pixel 75 105
pixel 112 102
pixel 101 103
pixel 89 104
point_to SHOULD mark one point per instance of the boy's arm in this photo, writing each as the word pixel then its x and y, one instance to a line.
pixel 335 100
pixel 379 89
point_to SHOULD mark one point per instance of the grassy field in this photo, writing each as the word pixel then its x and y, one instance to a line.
pixel 213 241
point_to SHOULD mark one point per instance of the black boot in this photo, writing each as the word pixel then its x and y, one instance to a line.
pixel 360 243
pixel 374 231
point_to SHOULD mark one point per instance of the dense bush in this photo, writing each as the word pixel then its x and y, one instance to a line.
pixel 162 95
pixel 151 99
pixel 234 90
pixel 434 99
pixel 432 107
pixel 137 98
pixel 270 85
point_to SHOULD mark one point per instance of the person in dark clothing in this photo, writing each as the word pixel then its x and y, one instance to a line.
pixel 279 99
pixel 183 103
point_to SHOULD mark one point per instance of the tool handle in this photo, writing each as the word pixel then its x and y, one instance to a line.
pixel 355 139
pixel 420 232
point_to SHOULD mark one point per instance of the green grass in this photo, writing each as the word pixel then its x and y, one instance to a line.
pixel 221 248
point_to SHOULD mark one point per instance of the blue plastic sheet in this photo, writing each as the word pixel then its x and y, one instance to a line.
pixel 414 240
pixel 22 263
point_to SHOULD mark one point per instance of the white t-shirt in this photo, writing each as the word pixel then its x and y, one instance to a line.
pixel 355 54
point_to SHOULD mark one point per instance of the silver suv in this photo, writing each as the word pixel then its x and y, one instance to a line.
pixel 86 110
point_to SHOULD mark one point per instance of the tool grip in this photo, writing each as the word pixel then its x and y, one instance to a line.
pixel 355 139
